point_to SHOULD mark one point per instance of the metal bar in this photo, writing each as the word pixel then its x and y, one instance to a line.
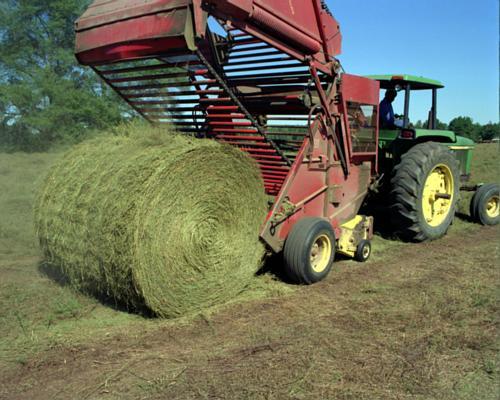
pixel 186 116
pixel 406 122
pixel 303 117
pixel 239 34
pixel 149 68
pixel 273 163
pixel 240 105
pixel 270 179
pixel 255 146
pixel 281 75
pixel 267 157
pixel 135 69
pixel 262 54
pixel 216 100
pixel 252 60
pixel 140 112
pixel 273 172
pixel 244 42
pixel 148 77
pixel 226 123
pixel 258 47
pixel 235 116
pixel 162 102
pixel 434 109
pixel 223 108
pixel 167 109
pixel 265 80
pixel 161 94
pixel 209 91
pixel 224 137
pixel 267 68
pixel 289 127
pixel 169 84
pixel 251 150
pixel 287 134
pixel 229 130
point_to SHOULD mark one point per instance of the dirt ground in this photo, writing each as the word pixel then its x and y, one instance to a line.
pixel 418 322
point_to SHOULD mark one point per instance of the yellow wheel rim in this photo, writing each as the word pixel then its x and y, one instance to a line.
pixel 366 252
pixel 492 207
pixel 438 195
pixel 321 252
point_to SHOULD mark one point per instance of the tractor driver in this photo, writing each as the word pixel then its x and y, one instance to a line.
pixel 387 117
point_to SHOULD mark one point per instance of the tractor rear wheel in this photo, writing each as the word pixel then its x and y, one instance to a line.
pixel 484 207
pixel 424 192
pixel 309 251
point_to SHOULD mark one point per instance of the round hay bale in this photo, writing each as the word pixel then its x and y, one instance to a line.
pixel 171 224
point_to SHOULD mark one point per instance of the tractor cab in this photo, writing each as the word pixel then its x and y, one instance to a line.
pixel 407 84
pixel 395 141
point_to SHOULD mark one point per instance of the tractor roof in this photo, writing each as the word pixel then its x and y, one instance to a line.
pixel 416 82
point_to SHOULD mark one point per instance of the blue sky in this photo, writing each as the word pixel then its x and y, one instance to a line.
pixel 454 41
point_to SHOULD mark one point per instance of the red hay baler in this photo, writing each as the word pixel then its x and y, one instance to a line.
pixel 261 76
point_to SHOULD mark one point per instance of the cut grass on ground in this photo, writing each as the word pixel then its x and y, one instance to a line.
pixel 415 322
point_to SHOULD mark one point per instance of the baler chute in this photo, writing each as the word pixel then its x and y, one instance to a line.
pixel 261 76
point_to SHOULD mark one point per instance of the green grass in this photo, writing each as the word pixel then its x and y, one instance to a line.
pixel 19 175
pixel 36 312
pixel 485 163
pixel 415 322
pixel 485 169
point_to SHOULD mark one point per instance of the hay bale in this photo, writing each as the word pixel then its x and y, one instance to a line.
pixel 168 223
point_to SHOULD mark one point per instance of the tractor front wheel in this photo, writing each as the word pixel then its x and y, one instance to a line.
pixel 424 192
pixel 309 251
pixel 484 207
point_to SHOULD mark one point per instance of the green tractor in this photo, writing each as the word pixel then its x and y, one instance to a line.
pixel 424 170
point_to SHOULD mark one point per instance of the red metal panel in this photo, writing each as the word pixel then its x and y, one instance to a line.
pixel 139 37
pixel 136 50
pixel 360 89
pixel 282 29
pixel 298 27
pixel 102 12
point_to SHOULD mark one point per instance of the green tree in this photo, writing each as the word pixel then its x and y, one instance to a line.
pixel 423 125
pixel 465 126
pixel 490 131
pixel 45 97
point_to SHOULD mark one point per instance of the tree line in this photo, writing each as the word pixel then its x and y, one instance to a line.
pixel 47 99
pixel 465 126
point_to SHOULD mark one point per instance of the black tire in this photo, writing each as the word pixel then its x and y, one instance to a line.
pixel 299 245
pixel 363 251
pixel 479 205
pixel 407 191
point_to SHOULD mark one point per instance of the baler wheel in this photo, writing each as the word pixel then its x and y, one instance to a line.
pixel 363 251
pixel 424 192
pixel 484 206
pixel 309 251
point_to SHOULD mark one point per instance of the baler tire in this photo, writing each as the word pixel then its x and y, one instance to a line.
pixel 484 205
pixel 299 247
pixel 363 251
pixel 412 181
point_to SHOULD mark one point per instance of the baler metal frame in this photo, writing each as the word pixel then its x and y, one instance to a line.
pixel 269 85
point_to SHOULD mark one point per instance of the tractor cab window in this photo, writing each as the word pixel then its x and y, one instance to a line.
pixel 362 127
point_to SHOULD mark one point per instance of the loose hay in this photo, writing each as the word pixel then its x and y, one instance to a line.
pixel 168 223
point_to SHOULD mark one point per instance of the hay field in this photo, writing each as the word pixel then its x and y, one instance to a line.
pixel 415 322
